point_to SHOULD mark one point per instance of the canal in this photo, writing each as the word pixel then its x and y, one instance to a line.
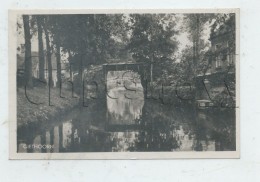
pixel 126 121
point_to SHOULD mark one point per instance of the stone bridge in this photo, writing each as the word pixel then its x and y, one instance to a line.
pixel 143 69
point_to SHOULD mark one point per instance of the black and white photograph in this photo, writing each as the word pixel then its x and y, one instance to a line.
pixel 124 84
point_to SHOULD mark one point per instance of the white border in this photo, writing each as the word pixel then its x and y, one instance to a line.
pixel 109 155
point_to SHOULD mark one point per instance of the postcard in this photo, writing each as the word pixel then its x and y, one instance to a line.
pixel 124 84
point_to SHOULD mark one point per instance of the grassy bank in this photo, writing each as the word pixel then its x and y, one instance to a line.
pixel 31 113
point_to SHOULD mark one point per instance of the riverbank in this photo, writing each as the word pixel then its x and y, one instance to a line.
pixel 28 112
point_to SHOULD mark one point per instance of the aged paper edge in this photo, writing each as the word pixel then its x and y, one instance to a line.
pixel 111 155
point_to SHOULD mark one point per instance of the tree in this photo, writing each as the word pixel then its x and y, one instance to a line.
pixel 106 35
pixel 58 60
pixel 65 39
pixel 48 50
pixel 87 39
pixel 225 24
pixel 28 58
pixel 185 72
pixel 194 24
pixel 56 27
pixel 57 41
pixel 39 20
pixel 152 38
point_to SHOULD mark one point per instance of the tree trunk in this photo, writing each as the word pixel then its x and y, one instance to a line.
pixel 40 45
pixel 151 72
pixel 81 69
pixel 28 58
pixel 82 56
pixel 71 71
pixel 48 57
pixel 196 42
pixel 197 39
pixel 194 52
pixel 94 38
pixel 58 63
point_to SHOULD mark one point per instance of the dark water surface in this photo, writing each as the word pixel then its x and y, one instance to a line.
pixel 125 121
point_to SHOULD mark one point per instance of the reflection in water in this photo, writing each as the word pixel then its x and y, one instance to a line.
pixel 125 99
pixel 123 141
pixel 56 139
pixel 125 122
pixel 37 142
pixel 67 132
pixel 48 141
pixel 123 110
pixel 22 148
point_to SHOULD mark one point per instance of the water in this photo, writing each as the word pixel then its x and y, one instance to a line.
pixel 125 121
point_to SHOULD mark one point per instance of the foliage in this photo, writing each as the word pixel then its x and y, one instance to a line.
pixel 224 25
pixel 195 24
pixel 152 37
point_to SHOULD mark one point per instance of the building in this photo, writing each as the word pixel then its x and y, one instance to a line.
pixel 35 66
pixel 217 81
pixel 222 51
